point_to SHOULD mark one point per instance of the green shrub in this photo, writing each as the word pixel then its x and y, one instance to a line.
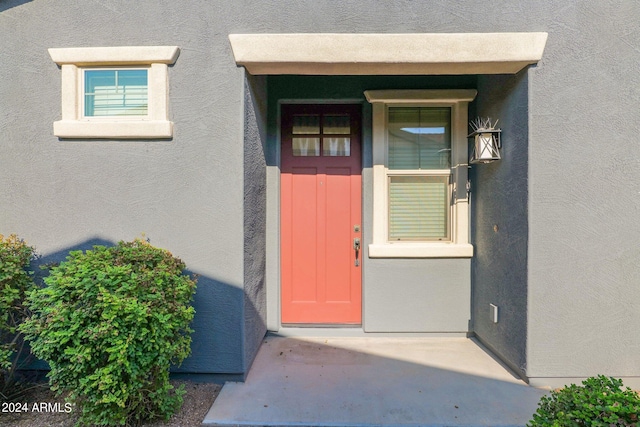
pixel 15 281
pixel 110 323
pixel 599 401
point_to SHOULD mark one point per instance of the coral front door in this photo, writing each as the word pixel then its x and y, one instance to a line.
pixel 320 214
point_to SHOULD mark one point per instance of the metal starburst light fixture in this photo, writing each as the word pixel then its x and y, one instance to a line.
pixel 487 144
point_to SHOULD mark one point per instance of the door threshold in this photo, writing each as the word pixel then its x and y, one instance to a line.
pixel 318 331
pixel 355 331
pixel 321 325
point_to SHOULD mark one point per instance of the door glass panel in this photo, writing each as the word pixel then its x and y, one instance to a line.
pixel 303 147
pixel 419 138
pixel 336 125
pixel 336 146
pixel 305 124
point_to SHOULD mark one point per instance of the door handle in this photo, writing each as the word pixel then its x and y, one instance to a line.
pixel 356 247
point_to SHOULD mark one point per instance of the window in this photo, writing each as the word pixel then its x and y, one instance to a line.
pixel 109 93
pixel 419 207
pixel 419 142
pixel 420 173
pixel 333 130
pixel 115 92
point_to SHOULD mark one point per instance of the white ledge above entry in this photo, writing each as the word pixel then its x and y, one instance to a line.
pixel 387 54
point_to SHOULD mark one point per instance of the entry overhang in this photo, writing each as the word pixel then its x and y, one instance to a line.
pixel 387 54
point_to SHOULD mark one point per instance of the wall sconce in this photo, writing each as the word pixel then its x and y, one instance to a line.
pixel 487 144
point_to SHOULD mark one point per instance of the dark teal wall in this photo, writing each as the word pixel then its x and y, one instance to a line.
pixel 499 221
pixel 353 87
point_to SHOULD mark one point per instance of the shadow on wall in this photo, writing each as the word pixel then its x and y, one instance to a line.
pixel 8 4
pixel 499 221
pixel 217 340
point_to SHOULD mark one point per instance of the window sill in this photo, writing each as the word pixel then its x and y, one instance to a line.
pixel 420 250
pixel 123 129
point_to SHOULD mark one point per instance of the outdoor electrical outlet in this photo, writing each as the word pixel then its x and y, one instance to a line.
pixel 494 313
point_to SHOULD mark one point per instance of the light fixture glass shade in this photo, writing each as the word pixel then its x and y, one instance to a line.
pixel 486 146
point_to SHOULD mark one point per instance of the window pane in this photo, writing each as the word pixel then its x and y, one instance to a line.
pixel 115 93
pixel 306 124
pixel 419 138
pixel 418 208
pixel 336 146
pixel 306 147
pixel 336 125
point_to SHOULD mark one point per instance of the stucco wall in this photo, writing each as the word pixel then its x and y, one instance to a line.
pixel 428 295
pixel 499 221
pixel 255 130
pixel 186 194
pixel 584 194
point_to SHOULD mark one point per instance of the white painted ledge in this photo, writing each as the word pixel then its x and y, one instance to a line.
pixel 420 250
pixel 388 54
pixel 119 55
pixel 152 129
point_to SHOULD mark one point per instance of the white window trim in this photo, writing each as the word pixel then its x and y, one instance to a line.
pixel 155 125
pixel 458 100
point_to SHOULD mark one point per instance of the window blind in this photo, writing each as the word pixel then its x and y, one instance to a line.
pixel 115 93
pixel 418 207
pixel 419 138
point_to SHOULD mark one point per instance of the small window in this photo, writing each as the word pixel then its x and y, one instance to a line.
pixel 420 174
pixel 115 92
pixel 111 93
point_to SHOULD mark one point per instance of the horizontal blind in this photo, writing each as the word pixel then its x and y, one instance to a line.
pixel 116 93
pixel 418 207
pixel 419 137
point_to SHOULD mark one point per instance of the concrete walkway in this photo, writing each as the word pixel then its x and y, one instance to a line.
pixel 373 382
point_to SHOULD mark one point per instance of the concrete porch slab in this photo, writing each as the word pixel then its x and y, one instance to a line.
pixel 362 381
